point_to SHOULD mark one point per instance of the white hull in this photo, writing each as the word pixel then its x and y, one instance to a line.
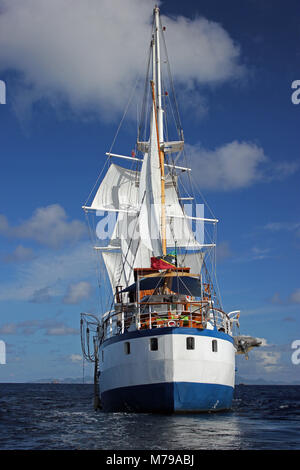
pixel 171 378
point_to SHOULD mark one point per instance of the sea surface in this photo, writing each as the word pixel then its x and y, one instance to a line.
pixel 61 417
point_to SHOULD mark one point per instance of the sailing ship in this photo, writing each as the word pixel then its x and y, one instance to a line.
pixel 165 344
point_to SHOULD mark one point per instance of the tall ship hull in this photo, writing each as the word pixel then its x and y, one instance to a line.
pixel 171 378
pixel 162 342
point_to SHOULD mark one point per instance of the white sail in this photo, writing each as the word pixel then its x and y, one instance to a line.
pixel 133 235
pixel 179 230
pixel 120 264
pixel 118 191
pixel 150 196
pixel 191 260
pixel 134 252
pixel 113 264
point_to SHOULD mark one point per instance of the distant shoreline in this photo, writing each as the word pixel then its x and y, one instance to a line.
pixel 90 382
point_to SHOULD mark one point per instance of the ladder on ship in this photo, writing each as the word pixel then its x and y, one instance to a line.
pixel 90 323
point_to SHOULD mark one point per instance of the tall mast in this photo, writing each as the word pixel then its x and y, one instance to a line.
pixel 162 177
pixel 159 100
pixel 156 83
pixel 153 59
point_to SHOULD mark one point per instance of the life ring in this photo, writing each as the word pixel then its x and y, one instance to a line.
pixel 171 323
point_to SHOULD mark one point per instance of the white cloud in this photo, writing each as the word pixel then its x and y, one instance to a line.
pixel 30 327
pixel 201 50
pixel 283 226
pixel 295 297
pixel 269 359
pixel 8 329
pixel 77 292
pixel 260 253
pixel 41 296
pixel 282 170
pixel 234 165
pixel 91 52
pixel 50 271
pixel 263 341
pixel 75 358
pixel 231 166
pixel 48 226
pixel 61 330
pixel 19 255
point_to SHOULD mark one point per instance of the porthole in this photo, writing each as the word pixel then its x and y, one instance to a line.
pixel 127 348
pixel 190 342
pixel 153 344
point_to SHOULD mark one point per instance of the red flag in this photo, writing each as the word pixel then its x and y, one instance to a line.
pixel 160 263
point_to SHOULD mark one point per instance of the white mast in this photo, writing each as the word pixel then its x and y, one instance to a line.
pixel 158 81
pixel 153 59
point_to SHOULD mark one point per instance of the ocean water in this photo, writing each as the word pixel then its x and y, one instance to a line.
pixel 61 417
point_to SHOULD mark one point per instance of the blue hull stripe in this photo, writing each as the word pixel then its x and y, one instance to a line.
pixel 168 398
pixel 168 331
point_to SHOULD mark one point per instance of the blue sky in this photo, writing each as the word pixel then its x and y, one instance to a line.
pixel 68 81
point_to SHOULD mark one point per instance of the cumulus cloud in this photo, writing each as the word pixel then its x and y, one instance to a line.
pixel 30 327
pixel 49 273
pixel 61 330
pixel 75 358
pixel 260 253
pixel 264 360
pixel 90 53
pixel 8 329
pixel 77 292
pixel 269 359
pixel 201 51
pixel 283 226
pixel 295 297
pixel 47 226
pixel 232 166
pixel 19 255
pixel 41 296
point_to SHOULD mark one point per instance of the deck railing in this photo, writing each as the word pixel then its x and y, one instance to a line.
pixel 151 316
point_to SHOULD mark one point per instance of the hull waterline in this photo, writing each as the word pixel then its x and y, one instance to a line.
pixel 176 397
